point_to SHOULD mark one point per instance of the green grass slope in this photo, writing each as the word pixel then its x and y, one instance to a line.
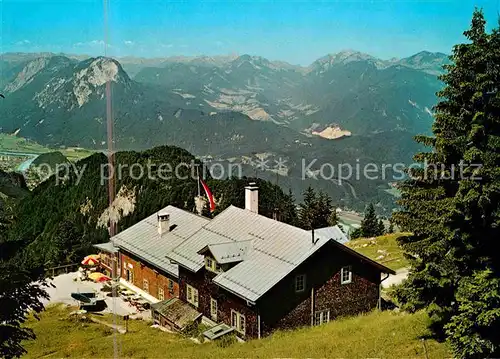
pixel 374 335
pixel 11 143
pixel 383 249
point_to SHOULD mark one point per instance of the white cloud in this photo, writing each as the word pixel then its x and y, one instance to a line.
pixel 96 43
pixel 129 43
pixel 23 42
pixel 92 43
pixel 168 46
pixel 219 43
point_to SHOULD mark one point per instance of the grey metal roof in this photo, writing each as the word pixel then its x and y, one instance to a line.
pixel 177 312
pixel 144 241
pixel 106 247
pixel 218 331
pixel 230 252
pixel 277 249
pixel 333 233
pixel 186 254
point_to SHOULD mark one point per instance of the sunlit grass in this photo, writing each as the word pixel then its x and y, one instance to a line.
pixel 11 143
pixel 374 335
pixel 383 246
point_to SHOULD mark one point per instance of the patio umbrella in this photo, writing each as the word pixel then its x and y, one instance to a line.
pixel 91 260
pixel 99 277
pixel 104 278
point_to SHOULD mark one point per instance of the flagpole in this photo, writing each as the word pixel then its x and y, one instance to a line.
pixel 198 178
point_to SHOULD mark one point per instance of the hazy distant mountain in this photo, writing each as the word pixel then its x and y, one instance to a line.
pixel 356 91
pixel 430 62
pixel 60 101
pixel 232 109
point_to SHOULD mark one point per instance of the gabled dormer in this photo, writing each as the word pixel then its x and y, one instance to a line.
pixel 223 256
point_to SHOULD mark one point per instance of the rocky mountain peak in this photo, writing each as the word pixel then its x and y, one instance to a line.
pixel 97 71
pixel 29 71
pixel 93 74
pixel 430 62
pixel 341 58
pixel 256 62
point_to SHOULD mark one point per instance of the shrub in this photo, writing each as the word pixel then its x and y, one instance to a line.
pixel 226 340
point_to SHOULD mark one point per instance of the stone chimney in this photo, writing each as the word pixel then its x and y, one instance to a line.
pixel 252 197
pixel 163 222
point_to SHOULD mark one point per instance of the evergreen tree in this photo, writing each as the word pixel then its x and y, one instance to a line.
pixel 21 291
pixel 357 233
pixel 391 227
pixel 369 224
pixel 324 210
pixel 306 209
pixel 380 228
pixel 316 211
pixel 333 220
pixel 451 203
pixel 288 210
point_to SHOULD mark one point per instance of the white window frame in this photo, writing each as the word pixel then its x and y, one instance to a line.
pixel 145 285
pixel 213 309
pixel 348 270
pixel 300 278
pixel 209 263
pixel 161 293
pixel 321 317
pixel 171 288
pixel 212 265
pixel 192 295
pixel 129 275
pixel 240 325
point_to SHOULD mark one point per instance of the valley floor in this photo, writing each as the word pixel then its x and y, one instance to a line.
pixel 374 335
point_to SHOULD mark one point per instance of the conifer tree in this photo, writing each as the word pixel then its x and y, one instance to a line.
pixel 369 224
pixel 316 210
pixel 391 227
pixel 451 203
pixel 380 228
pixel 333 220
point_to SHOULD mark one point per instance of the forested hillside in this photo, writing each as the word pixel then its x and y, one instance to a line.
pixel 65 215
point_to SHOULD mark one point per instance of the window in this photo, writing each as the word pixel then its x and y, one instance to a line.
pixel 192 295
pixel 345 275
pixel 321 317
pixel 145 285
pixel 129 276
pixel 213 309
pixel 161 294
pixel 212 265
pixel 300 283
pixel 209 263
pixel 238 321
pixel 171 286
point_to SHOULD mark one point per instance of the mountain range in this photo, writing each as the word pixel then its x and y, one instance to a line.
pixel 342 107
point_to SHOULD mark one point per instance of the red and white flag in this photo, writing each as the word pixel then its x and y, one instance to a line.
pixel 209 195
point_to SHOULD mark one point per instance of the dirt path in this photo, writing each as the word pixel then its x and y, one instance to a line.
pixel 116 327
pixel 401 275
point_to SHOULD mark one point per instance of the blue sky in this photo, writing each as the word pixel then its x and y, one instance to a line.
pixel 295 31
